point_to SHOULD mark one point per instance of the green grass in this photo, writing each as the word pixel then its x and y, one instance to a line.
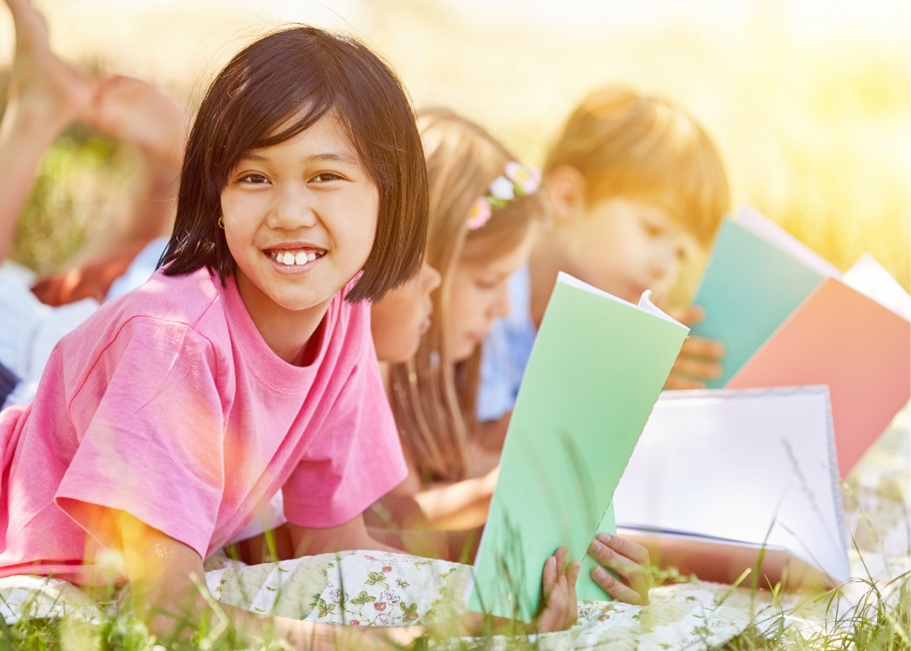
pixel 814 133
pixel 881 622
pixel 78 192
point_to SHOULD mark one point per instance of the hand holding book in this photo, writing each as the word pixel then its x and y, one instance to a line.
pixel 596 369
pixel 700 358
pixel 629 561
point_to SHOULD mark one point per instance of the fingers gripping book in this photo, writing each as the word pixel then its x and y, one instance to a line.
pixel 596 369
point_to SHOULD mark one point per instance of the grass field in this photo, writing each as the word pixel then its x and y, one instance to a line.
pixel 814 130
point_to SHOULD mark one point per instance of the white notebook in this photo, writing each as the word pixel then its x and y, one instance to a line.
pixel 750 466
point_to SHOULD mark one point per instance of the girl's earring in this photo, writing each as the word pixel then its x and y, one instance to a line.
pixel 221 222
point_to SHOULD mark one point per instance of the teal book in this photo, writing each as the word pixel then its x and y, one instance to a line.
pixel 757 276
pixel 596 369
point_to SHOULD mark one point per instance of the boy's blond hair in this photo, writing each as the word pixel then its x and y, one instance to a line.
pixel 645 148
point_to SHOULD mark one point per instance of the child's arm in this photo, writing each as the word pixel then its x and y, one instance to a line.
pixel 443 506
pixel 169 593
pixel 458 505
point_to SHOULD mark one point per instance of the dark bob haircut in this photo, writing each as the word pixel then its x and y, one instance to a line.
pixel 289 80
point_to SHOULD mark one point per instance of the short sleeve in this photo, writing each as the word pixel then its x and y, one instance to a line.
pixel 355 459
pixel 149 422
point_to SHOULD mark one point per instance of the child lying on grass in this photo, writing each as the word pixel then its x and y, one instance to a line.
pixel 246 364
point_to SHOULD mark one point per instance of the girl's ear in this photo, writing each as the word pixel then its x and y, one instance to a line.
pixel 564 189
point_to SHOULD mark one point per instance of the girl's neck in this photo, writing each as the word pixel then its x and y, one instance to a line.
pixel 384 374
pixel 286 332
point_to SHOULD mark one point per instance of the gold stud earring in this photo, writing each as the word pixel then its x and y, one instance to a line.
pixel 221 223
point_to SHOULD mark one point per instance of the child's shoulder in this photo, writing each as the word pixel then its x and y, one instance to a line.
pixel 184 298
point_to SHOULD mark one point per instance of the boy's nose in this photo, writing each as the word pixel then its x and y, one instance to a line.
pixel 665 262
pixel 659 269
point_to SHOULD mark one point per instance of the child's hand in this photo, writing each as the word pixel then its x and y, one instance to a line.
pixel 628 559
pixel 558 583
pixel 699 359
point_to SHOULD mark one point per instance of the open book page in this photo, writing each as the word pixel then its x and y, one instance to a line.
pixel 760 225
pixel 756 466
pixel 645 301
pixel 861 350
pixel 871 279
pixel 595 371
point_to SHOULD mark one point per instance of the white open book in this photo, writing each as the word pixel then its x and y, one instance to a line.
pixel 719 475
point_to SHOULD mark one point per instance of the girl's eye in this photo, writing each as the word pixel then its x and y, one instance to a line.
pixel 327 176
pixel 253 178
pixel 486 285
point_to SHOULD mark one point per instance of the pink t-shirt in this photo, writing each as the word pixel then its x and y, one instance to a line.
pixel 168 404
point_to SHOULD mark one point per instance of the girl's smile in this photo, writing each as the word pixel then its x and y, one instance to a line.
pixel 295 256
pixel 300 219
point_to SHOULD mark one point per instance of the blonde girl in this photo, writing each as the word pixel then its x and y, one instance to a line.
pixel 484 217
pixel 475 241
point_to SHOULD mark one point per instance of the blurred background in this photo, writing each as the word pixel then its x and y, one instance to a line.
pixel 808 100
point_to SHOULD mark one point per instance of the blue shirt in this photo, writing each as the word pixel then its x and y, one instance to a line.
pixel 506 351
pixel 140 270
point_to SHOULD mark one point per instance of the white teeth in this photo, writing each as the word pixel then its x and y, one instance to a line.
pixel 300 258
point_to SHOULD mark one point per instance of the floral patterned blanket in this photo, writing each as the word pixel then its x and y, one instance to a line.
pixel 364 588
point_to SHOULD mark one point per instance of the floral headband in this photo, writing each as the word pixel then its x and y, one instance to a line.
pixel 517 181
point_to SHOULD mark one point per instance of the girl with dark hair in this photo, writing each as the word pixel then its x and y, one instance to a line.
pixel 245 365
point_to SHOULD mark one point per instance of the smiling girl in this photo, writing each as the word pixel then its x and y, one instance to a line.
pixel 245 365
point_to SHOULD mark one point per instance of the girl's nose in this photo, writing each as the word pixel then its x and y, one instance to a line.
pixel 502 306
pixel 430 278
pixel 292 209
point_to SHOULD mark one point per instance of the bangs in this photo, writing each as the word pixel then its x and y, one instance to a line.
pixel 293 124
pixel 275 109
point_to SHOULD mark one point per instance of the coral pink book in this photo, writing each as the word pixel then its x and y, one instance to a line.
pixel 842 338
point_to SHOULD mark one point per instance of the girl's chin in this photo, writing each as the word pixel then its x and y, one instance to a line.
pixel 464 352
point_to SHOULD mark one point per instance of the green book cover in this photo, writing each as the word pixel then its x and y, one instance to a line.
pixel 750 287
pixel 595 372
